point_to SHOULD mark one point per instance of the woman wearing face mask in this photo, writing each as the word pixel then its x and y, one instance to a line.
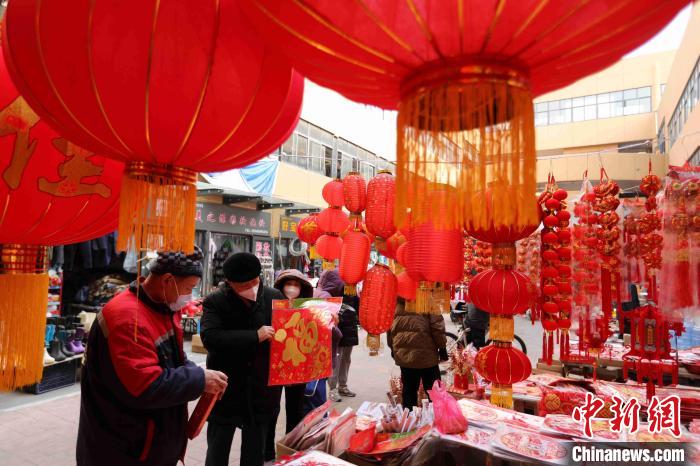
pixel 236 330
pixel 293 284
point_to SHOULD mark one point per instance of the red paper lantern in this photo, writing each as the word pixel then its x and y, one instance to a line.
pixel 170 88
pixel 406 286
pixel 308 229
pixel 379 215
pixel 51 192
pixel 460 57
pixel 355 193
pixel 501 291
pixel 329 247
pixel 353 259
pixel 392 245
pixel 377 304
pixel 401 254
pixel 489 362
pixel 334 193
pixel 333 220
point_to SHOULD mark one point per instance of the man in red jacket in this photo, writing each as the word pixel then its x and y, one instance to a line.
pixel 136 381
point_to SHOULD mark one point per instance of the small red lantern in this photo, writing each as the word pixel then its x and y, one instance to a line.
pixel 378 304
pixel 355 193
pixel 392 245
pixel 333 220
pixel 333 193
pixel 309 231
pixel 379 215
pixel 501 291
pixel 353 260
pixel 329 247
pixel 490 364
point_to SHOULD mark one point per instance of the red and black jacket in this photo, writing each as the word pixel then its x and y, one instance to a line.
pixel 135 385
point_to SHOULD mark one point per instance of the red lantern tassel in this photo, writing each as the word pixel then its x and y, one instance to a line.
pixel 606 291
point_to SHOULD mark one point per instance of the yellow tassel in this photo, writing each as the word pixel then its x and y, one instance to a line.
pixel 501 328
pixel 432 298
pixel 410 306
pixel 373 343
pixel 468 126
pixel 328 265
pixel 313 254
pixel 24 293
pixel 158 208
pixel 502 396
pixel 350 290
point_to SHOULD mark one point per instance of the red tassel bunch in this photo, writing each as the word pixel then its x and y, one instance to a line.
pixel 609 240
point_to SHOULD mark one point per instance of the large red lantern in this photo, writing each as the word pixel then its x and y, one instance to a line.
pixel 309 231
pixel 355 193
pixel 503 365
pixel 354 258
pixel 51 192
pixel 329 247
pixel 377 304
pixel 379 216
pixel 457 71
pixel 170 88
pixel 333 193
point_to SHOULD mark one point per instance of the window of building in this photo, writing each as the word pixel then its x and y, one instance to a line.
pixel 661 138
pixel 328 154
pixel 694 159
pixel 686 104
pixel 592 107
pixel 302 158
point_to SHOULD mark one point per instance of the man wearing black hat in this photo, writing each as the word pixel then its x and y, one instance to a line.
pixel 235 330
pixel 136 380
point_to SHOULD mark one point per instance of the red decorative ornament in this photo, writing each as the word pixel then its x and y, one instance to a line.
pixel 392 245
pixel 353 259
pixel 334 193
pixel 609 246
pixel 407 287
pixel 377 304
pixel 401 252
pixel 333 220
pixel 309 231
pixel 462 57
pixel 379 215
pixel 489 362
pixel 329 247
pixel 355 193
pixel 501 291
pixel 169 88
pixel 52 192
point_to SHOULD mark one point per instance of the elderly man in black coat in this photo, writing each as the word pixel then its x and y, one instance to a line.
pixel 236 332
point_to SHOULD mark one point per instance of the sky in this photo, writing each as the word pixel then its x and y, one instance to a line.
pixel 375 129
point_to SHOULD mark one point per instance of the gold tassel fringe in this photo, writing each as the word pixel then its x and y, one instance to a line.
pixel 501 328
pixel 24 290
pixel 502 396
pixel 328 265
pixel 373 343
pixel 468 127
pixel 350 290
pixel 313 254
pixel 432 298
pixel 158 207
pixel 410 306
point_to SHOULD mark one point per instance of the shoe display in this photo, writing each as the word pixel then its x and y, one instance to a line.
pixel 345 391
pixel 334 396
pixel 48 360
pixel 78 340
pixel 63 341
pixel 55 351
pixel 72 344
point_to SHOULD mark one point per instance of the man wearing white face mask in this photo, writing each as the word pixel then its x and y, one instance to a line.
pixel 136 381
pixel 235 330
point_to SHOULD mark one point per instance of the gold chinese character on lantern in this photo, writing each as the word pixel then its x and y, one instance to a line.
pixel 72 173
pixel 18 119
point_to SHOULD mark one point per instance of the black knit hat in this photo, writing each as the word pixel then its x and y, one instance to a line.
pixel 242 267
pixel 178 263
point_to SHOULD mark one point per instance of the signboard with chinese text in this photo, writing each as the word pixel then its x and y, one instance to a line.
pixel 301 349
pixel 227 219
pixel 288 227
pixel 262 248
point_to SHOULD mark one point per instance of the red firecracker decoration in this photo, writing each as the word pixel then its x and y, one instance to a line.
pixel 377 304
pixel 379 215
pixel 649 226
pixel 169 88
pixel 353 259
pixel 609 240
pixel 309 231
pixel 650 349
pixel 555 284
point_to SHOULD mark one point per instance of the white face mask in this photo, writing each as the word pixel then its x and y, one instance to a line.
pixel 292 291
pixel 181 301
pixel 250 294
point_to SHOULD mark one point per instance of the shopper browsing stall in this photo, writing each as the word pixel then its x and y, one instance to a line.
pixel 417 343
pixel 348 327
pixel 136 381
pixel 235 330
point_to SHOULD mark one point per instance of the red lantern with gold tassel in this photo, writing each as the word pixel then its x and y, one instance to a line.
pixel 379 215
pixel 309 231
pixel 51 192
pixel 377 304
pixel 354 258
pixel 329 246
pixel 169 88
pixel 503 366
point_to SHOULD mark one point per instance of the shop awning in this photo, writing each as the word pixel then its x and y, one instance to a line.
pixel 240 193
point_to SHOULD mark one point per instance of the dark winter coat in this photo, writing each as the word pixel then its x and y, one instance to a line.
pixel 476 318
pixel 135 386
pixel 348 326
pixel 414 339
pixel 229 330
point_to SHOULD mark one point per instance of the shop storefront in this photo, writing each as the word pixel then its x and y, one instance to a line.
pixel 222 230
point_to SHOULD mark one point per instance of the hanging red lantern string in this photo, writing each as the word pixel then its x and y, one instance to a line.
pixel 309 231
pixel 651 241
pixel 333 221
pixel 609 237
pixel 52 192
pixel 555 284
pixel 529 265
pixel 354 258
pixel 169 88
pixel 379 216
pixel 378 304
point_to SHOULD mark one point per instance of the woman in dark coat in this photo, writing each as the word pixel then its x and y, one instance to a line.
pixel 347 324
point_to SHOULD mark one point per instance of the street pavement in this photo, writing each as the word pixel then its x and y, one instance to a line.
pixel 41 430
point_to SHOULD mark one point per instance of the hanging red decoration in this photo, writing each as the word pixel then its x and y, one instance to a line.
pixel 354 258
pixel 650 240
pixel 333 220
pixel 170 88
pixel 392 245
pixel 609 236
pixel 456 70
pixel 406 287
pixel 309 231
pixel 52 192
pixel 355 193
pixel 379 215
pixel 489 362
pixel 329 247
pixel 502 291
pixel 377 304
pixel 334 193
